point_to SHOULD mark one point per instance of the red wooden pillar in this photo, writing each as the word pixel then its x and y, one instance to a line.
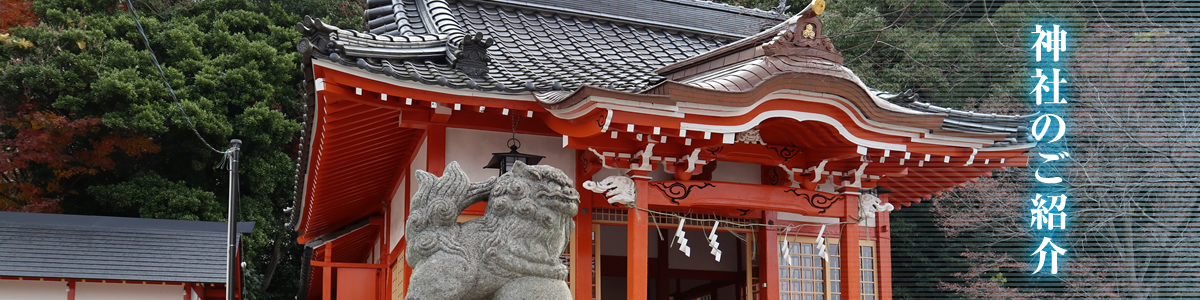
pixel 71 290
pixel 327 274
pixel 884 228
pixel 637 273
pixel 582 257
pixel 768 259
pixel 435 150
pixel 848 241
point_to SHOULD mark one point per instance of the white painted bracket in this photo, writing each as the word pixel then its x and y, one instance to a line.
pixel 817 172
pixel 691 159
pixel 645 154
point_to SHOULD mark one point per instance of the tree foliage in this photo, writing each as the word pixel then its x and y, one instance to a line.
pixel 88 126
pixel 15 13
pixel 1130 175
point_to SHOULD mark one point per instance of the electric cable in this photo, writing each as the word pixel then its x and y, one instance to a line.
pixel 163 76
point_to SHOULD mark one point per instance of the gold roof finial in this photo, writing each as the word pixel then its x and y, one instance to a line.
pixel 818 6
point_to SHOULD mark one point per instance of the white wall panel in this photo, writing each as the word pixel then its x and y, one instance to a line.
pixel 398 204
pixel 472 149
pixel 33 290
pixel 126 291
pixel 738 172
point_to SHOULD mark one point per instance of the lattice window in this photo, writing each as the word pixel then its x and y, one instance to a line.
pixel 866 271
pixel 804 276
pixel 835 271
pixel 398 277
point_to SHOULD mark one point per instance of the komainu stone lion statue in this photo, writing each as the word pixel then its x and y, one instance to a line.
pixel 512 252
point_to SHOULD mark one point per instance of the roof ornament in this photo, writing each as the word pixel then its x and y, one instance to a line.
pixel 750 136
pixel 318 36
pixel 869 204
pixel 779 12
pixel 470 55
pixel 803 36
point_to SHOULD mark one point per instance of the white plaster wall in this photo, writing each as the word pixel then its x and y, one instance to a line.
pixel 374 253
pixel 419 163
pixel 738 172
pixel 472 149
pixel 32 290
pixel 125 291
pixel 396 215
pixel 398 205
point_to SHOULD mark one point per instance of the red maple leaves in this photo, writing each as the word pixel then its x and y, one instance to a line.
pixel 16 13
pixel 48 150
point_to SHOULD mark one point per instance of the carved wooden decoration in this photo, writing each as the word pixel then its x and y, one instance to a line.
pixel 803 36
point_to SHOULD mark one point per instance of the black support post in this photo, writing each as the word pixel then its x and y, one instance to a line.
pixel 235 145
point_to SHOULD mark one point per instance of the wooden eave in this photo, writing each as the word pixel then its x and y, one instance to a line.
pixel 365 131
pixel 676 106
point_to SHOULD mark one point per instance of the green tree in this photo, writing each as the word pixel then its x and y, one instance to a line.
pixel 78 89
pixel 1133 147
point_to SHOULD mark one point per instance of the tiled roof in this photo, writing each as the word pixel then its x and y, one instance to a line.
pixel 1016 126
pixel 536 45
pixel 687 15
pixel 93 247
pixel 747 74
pixel 553 47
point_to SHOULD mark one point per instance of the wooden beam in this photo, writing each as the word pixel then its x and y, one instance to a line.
pixel 435 150
pixel 768 259
pixel 636 278
pixel 327 274
pixel 884 229
pixel 848 241
pixel 581 256
pixel 717 195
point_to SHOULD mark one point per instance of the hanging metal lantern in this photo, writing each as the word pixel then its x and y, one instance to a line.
pixel 505 160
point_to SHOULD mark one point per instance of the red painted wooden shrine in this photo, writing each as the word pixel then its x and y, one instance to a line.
pixel 778 103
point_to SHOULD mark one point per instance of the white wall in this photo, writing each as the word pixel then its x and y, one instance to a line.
pixel 472 149
pixel 125 291
pixel 33 290
pixel 396 215
pixel 738 172
pixel 398 204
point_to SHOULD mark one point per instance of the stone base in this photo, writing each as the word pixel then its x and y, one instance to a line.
pixel 534 288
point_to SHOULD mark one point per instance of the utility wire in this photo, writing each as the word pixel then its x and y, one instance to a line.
pixel 129 4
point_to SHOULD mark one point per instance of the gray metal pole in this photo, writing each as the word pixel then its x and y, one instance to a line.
pixel 233 212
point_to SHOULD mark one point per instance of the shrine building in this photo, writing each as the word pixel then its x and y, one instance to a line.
pixel 76 257
pixel 739 118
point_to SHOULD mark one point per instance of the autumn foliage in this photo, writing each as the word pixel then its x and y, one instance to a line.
pixel 47 151
pixel 15 13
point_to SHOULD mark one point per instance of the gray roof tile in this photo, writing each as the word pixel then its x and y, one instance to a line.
pixel 543 49
pixel 93 247
pixel 1016 126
